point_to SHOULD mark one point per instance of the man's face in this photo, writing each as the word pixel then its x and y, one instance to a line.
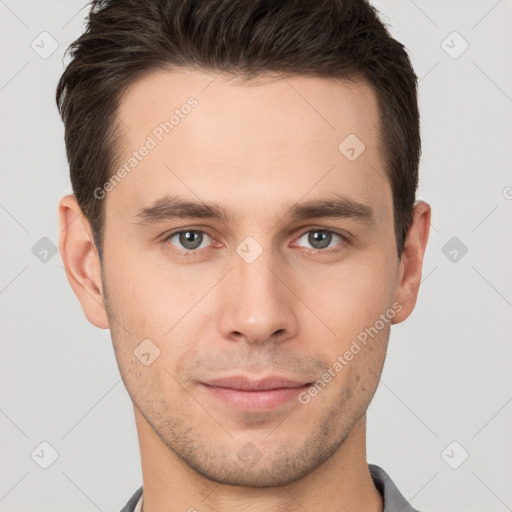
pixel 261 292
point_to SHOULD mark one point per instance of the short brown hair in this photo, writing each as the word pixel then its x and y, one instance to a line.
pixel 127 39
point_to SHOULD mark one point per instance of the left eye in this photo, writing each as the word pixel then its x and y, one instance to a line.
pixel 190 239
pixel 320 238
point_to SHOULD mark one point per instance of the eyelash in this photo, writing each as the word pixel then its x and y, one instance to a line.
pixel 344 238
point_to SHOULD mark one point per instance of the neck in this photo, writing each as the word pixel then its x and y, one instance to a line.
pixel 342 484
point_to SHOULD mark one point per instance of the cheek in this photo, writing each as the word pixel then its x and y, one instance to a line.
pixel 155 304
pixel 140 293
pixel 348 298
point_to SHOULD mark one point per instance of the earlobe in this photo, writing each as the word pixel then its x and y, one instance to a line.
pixel 81 260
pixel 411 263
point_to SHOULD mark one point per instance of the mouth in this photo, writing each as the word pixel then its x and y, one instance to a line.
pixel 250 394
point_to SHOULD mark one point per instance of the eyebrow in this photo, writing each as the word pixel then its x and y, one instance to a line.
pixel 172 207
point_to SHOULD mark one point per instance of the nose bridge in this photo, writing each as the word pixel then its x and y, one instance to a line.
pixel 258 304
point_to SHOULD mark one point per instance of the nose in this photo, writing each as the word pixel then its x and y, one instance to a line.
pixel 257 304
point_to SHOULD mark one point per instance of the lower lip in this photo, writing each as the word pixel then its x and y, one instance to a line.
pixel 253 399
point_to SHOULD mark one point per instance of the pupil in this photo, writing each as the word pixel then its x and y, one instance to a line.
pixel 321 241
pixel 191 239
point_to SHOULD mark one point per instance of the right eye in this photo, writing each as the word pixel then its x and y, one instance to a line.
pixel 188 239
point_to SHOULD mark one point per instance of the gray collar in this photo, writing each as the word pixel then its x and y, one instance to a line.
pixel 392 498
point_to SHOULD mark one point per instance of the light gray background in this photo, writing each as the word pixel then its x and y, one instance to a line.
pixel 447 376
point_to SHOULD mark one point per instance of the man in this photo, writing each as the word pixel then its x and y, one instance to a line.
pixel 244 222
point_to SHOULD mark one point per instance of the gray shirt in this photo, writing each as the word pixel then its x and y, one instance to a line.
pixel 391 496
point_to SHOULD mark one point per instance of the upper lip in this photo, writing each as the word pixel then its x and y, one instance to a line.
pixel 245 383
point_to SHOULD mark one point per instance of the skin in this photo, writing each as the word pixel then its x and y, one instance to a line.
pixel 255 148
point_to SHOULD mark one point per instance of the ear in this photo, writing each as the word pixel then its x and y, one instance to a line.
pixel 81 260
pixel 411 262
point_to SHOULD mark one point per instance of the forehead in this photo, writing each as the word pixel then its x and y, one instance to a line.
pixel 308 107
pixel 210 133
